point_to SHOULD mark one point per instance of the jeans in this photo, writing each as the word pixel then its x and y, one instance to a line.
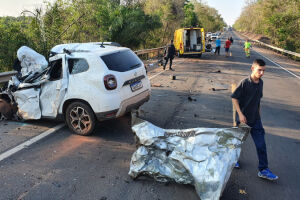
pixel 258 136
pixel 217 50
pixel 171 59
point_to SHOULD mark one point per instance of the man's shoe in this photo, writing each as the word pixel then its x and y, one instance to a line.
pixel 237 165
pixel 267 174
pixel 171 69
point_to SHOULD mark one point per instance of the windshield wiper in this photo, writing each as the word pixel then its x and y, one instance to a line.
pixel 134 66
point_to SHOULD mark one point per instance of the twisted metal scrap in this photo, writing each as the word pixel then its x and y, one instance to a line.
pixel 203 157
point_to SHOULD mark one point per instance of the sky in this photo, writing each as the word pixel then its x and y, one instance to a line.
pixel 229 9
pixel 15 7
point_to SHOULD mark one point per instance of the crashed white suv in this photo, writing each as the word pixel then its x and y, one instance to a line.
pixel 89 81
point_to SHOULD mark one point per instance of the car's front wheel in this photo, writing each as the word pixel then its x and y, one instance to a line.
pixel 80 118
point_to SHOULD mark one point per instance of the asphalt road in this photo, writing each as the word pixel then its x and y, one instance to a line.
pixel 67 166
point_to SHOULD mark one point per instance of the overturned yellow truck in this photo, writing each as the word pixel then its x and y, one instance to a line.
pixel 189 41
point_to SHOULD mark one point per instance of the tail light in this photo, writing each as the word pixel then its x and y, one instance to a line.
pixel 180 45
pixel 110 82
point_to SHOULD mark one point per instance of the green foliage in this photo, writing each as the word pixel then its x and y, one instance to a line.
pixel 12 37
pixel 278 20
pixel 131 26
pixel 190 17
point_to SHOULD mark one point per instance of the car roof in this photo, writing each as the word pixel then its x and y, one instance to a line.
pixel 91 47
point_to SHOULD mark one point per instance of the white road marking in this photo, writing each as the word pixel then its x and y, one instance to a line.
pixel 29 142
pixel 278 65
pixel 156 75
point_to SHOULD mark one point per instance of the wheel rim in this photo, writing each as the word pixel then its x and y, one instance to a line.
pixel 80 120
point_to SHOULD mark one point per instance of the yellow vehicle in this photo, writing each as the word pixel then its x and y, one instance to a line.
pixel 189 41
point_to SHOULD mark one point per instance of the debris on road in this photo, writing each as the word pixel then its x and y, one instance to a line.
pixel 173 77
pixel 191 99
pixel 218 89
pixel 156 85
pixel 203 157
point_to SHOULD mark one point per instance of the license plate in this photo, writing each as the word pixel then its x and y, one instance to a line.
pixel 135 86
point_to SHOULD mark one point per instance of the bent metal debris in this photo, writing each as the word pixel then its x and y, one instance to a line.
pixel 203 157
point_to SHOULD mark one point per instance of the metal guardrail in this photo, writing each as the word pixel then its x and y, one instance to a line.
pixel 5 76
pixel 283 51
pixel 145 53
pixel 277 49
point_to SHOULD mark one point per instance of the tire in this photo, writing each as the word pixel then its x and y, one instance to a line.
pixel 80 118
pixel 199 55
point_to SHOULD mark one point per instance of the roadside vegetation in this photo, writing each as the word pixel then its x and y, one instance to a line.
pixel 276 19
pixel 135 24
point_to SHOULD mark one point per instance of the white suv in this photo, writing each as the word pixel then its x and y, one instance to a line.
pixel 90 81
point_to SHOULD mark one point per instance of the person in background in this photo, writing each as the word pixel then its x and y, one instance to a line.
pixel 231 40
pixel 247 47
pixel 169 55
pixel 246 100
pixel 227 46
pixel 218 46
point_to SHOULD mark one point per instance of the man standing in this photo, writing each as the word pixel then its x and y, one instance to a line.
pixel 169 54
pixel 218 46
pixel 231 40
pixel 227 46
pixel 246 99
pixel 247 47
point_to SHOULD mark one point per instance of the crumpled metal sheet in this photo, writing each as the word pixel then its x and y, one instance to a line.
pixel 28 103
pixel 203 157
pixel 31 61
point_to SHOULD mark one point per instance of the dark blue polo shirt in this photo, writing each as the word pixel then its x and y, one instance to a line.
pixel 249 93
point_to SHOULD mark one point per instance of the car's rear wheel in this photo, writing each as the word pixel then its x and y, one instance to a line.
pixel 80 118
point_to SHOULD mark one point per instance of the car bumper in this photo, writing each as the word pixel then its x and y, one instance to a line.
pixel 126 106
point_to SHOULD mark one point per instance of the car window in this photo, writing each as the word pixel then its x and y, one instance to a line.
pixel 55 71
pixel 77 65
pixel 122 61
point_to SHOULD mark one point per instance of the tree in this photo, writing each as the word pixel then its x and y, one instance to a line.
pixel 12 37
pixel 278 20
pixel 190 18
